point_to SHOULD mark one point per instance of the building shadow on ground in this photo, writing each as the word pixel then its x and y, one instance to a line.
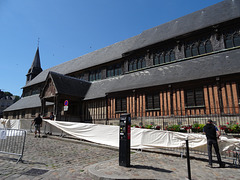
pixel 23 161
pixel 151 168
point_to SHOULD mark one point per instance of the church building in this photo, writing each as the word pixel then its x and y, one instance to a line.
pixel 184 70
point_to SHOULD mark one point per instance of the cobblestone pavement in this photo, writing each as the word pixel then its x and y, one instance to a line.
pixel 147 165
pixel 54 159
pixel 61 158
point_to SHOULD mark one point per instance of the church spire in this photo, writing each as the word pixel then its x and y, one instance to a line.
pixel 35 69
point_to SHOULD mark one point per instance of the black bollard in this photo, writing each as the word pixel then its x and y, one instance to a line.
pixel 124 140
pixel 188 160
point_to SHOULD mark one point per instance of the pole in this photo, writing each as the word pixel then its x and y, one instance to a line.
pixel 188 160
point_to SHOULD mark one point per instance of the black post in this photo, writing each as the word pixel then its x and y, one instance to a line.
pixel 124 140
pixel 106 101
pixel 188 160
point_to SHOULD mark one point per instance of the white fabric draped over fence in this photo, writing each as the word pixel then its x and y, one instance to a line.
pixel 140 138
pixel 11 124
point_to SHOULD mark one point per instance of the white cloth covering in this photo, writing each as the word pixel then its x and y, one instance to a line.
pixel 11 124
pixel 140 138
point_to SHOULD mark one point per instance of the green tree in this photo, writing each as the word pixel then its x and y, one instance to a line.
pixel 6 93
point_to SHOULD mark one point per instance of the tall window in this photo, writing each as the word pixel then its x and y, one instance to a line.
pixel 153 101
pixel 121 105
pixel 194 97
pixel 95 75
pixel 23 114
pixel 33 113
pixel 161 57
pixel 114 70
pixel 80 76
pixel 138 63
pixel 232 38
pixel 195 48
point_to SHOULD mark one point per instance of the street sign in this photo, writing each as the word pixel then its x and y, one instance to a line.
pixel 65 108
pixel 66 103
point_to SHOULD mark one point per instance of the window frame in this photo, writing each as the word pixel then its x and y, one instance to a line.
pixel 230 36
pixel 162 57
pixel 95 75
pixel 123 105
pixel 194 103
pixel 153 102
pixel 114 70
pixel 198 47
pixel 137 63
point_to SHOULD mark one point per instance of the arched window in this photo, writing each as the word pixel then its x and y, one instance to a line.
pixel 228 41
pixel 172 55
pixel 156 59
pixel 194 50
pixel 118 70
pixel 202 48
pixel 236 39
pixel 232 38
pixel 198 47
pixel 167 59
pixel 139 65
pixel 208 46
pixel 134 66
pixel 161 58
pixel 188 51
pixel 143 62
pixel 110 71
pixel 130 65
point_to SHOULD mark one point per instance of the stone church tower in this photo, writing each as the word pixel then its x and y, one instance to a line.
pixel 35 69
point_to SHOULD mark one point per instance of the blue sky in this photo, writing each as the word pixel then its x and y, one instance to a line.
pixel 71 28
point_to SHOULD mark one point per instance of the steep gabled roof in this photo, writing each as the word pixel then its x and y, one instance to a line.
pixel 35 68
pixel 36 61
pixel 26 103
pixel 67 85
pixel 212 15
pixel 218 64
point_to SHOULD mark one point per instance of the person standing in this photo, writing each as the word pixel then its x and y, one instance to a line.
pixel 51 118
pixel 212 133
pixel 37 123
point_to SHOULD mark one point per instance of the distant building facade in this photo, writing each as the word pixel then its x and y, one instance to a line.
pixel 188 67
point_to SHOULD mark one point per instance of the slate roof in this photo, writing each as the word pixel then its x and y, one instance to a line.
pixel 218 64
pixel 26 102
pixel 68 85
pixel 36 61
pixel 212 15
pixel 36 64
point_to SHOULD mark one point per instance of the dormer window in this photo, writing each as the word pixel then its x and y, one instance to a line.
pixel 232 38
pixel 161 57
pixel 196 48
pixel 137 63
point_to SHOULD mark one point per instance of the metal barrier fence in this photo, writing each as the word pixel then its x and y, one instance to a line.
pixel 232 155
pixel 12 141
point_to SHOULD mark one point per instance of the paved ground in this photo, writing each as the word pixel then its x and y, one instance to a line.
pixel 61 159
pixel 55 158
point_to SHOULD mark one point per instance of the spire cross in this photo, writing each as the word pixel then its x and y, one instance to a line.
pixel 38 41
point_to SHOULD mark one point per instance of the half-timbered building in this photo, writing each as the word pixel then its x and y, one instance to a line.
pixel 181 70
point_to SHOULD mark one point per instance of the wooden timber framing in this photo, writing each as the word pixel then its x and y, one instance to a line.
pixel 171 103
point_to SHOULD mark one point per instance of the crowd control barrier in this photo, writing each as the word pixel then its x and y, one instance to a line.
pixel 12 142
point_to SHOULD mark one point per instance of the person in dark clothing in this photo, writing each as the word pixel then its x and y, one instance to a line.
pixel 212 133
pixel 37 123
pixel 50 126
